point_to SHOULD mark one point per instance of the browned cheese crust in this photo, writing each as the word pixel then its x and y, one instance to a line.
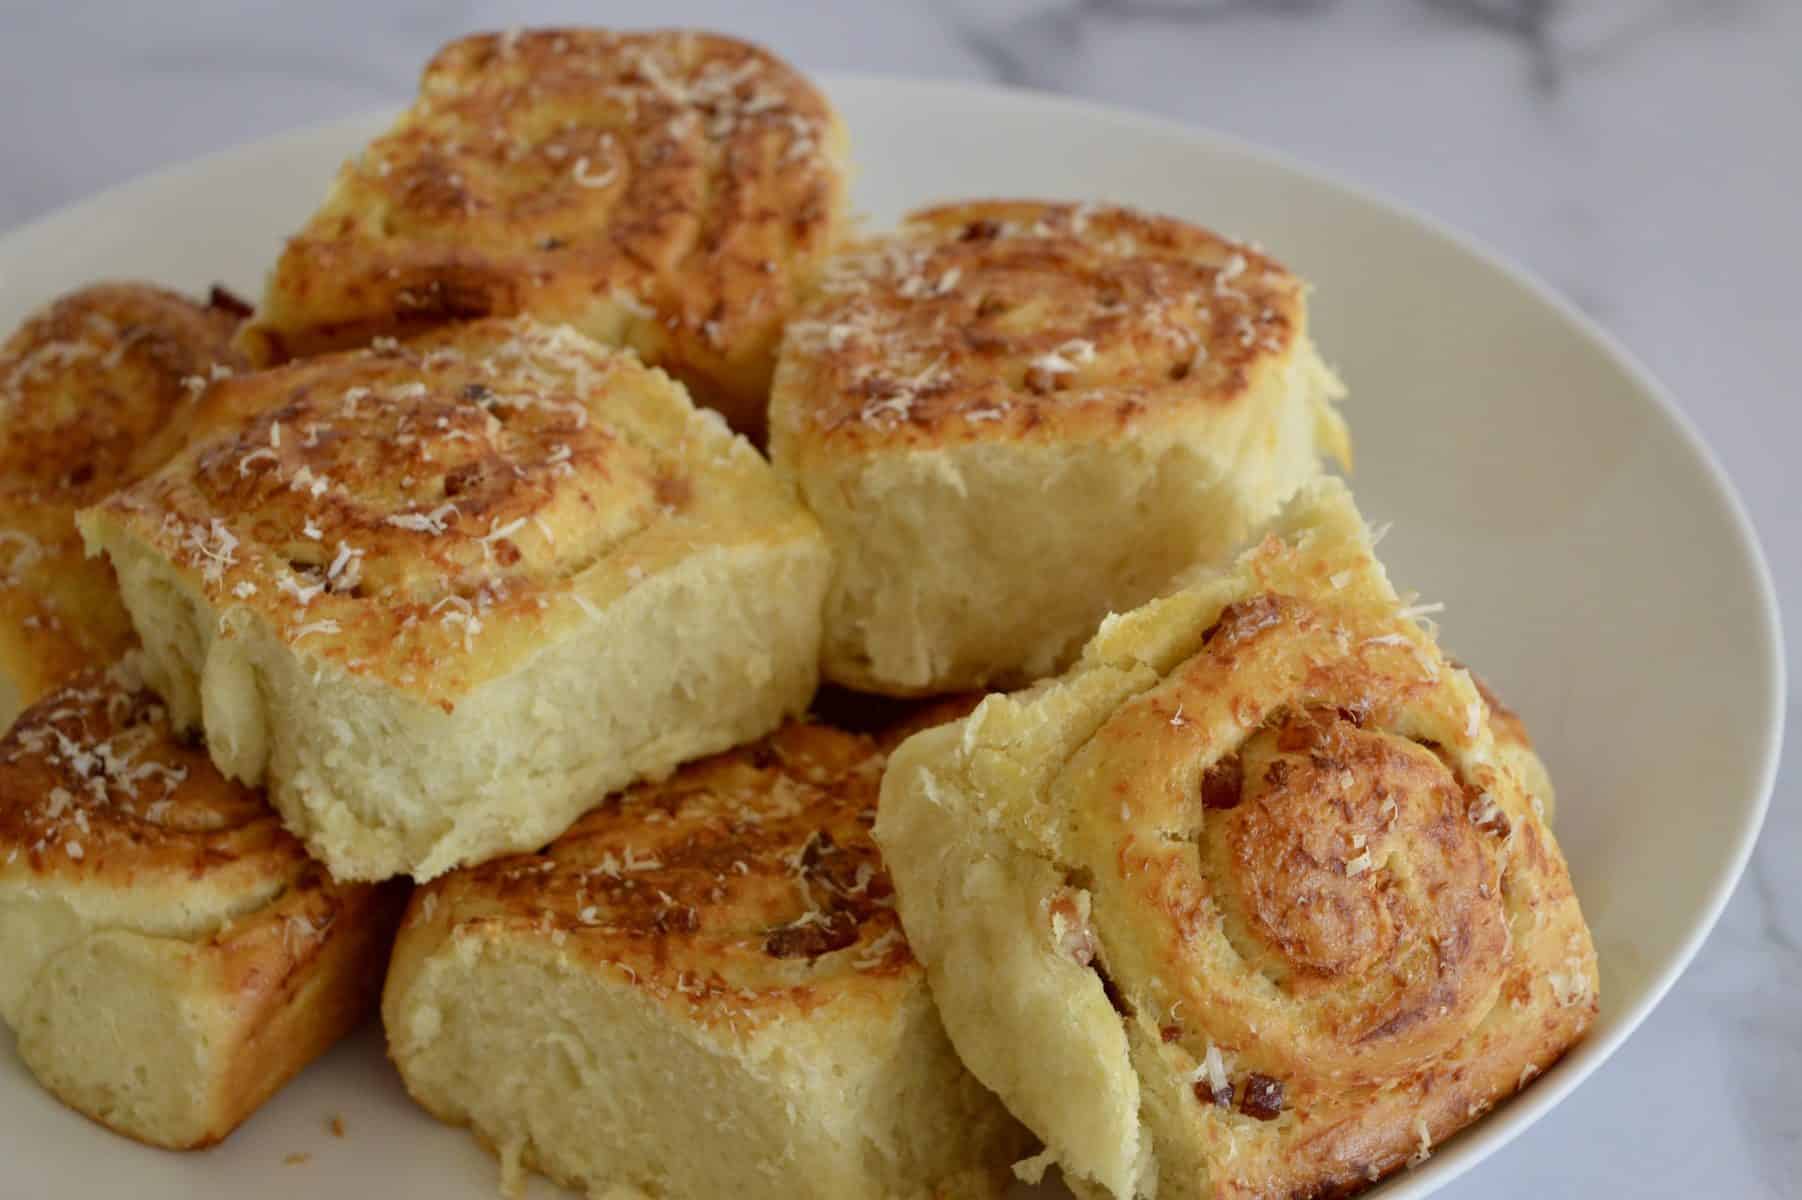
pixel 97 390
pixel 745 890
pixel 419 512
pixel 1409 942
pixel 1001 320
pixel 670 191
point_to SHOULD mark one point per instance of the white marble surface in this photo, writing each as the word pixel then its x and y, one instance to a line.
pixel 1644 156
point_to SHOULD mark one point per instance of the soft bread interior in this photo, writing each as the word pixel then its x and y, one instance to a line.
pixel 987 563
pixel 566 1067
pixel 114 1028
pixel 172 1022
pixel 704 655
pixel 40 924
pixel 977 897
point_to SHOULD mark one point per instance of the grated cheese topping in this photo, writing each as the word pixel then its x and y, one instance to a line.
pixel 1423 1143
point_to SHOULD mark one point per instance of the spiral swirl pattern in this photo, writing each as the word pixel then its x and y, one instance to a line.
pixel 1321 881
pixel 670 191
pixel 104 804
pixel 1297 914
pixel 988 320
pixel 397 508
pixel 93 781
pixel 1338 866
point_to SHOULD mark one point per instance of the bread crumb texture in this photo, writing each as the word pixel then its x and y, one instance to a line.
pixel 440 594
pixel 711 960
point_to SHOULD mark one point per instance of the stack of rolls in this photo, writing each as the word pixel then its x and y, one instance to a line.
pixel 1144 830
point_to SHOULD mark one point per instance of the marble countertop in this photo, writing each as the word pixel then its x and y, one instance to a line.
pixel 1643 156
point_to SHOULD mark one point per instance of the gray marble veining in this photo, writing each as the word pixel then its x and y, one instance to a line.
pixel 1643 156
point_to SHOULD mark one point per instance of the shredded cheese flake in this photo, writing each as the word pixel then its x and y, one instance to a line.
pixel 432 522
pixel 508 530
pixel 1423 1143
pixel 591 179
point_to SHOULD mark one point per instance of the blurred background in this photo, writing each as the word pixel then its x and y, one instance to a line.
pixel 1644 157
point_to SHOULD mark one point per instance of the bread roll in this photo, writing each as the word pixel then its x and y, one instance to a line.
pixel 1012 418
pixel 97 389
pixel 668 191
pixel 441 595
pixel 700 990
pixel 1248 903
pixel 172 955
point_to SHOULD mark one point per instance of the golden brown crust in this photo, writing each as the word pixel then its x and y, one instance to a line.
pixel 1305 814
pixel 1509 729
pixel 693 176
pixel 997 320
pixel 98 389
pixel 743 890
pixel 305 974
pixel 1514 746
pixel 1339 885
pixel 424 512
pixel 103 805
pixel 96 787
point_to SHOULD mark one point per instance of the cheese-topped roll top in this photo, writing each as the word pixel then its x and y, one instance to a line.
pixel 97 390
pixel 482 545
pixel 1003 389
pixel 728 934
pixel 732 888
pixel 173 954
pixel 990 320
pixel 668 191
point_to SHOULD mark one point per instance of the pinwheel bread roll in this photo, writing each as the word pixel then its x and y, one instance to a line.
pixel 441 595
pixel 700 990
pixel 1012 418
pixel 1248 903
pixel 97 389
pixel 668 191
pixel 172 956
